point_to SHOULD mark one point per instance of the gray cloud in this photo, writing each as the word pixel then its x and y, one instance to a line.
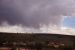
pixel 32 13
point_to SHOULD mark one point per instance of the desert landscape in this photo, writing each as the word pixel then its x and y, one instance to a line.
pixel 38 41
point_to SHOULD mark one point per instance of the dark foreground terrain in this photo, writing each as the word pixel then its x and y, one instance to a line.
pixel 36 41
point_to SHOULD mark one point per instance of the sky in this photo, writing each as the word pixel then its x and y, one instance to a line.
pixel 36 15
pixel 69 22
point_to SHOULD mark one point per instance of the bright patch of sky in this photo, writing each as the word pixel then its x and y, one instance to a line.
pixel 69 22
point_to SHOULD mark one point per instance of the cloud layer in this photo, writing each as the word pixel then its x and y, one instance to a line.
pixel 26 15
pixel 48 30
pixel 32 13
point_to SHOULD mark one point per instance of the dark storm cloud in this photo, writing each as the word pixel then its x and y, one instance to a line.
pixel 35 12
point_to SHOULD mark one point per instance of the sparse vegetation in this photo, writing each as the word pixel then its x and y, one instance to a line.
pixel 39 41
